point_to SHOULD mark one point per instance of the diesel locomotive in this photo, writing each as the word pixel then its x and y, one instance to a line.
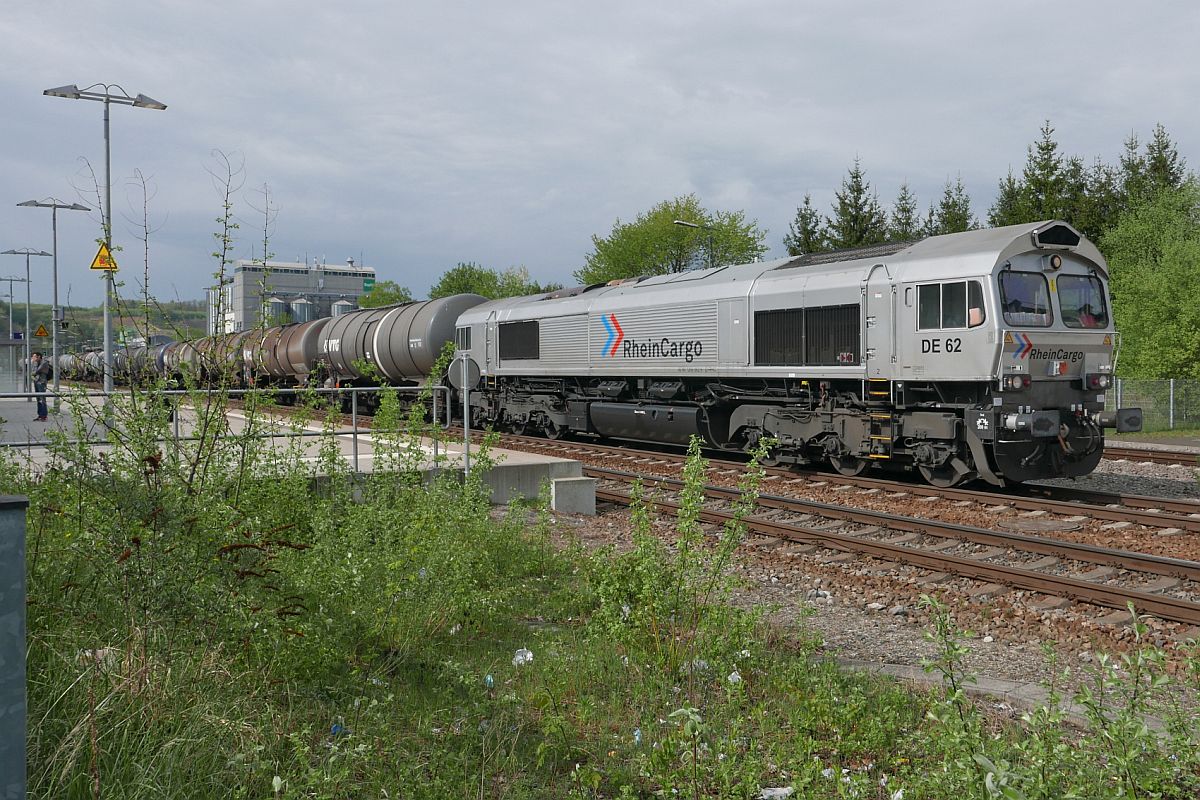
pixel 978 355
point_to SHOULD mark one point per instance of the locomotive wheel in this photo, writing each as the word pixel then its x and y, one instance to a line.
pixel 849 465
pixel 771 459
pixel 553 431
pixel 945 476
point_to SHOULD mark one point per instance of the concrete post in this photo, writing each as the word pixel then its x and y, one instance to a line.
pixel 1171 409
pixel 12 647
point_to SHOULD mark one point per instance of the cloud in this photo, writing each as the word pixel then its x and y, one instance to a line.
pixel 421 135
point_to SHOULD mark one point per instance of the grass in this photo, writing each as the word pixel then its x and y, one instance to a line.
pixel 208 621
pixel 1175 433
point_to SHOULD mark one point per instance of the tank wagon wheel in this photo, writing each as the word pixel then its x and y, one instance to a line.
pixel 849 465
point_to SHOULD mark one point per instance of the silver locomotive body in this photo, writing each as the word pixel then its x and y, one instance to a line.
pixel 982 354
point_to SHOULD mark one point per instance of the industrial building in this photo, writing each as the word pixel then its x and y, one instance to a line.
pixel 277 292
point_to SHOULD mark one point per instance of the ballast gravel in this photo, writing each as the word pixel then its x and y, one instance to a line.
pixel 1136 477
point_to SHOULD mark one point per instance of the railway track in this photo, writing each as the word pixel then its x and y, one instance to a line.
pixel 1142 454
pixel 1047 566
pixel 1156 512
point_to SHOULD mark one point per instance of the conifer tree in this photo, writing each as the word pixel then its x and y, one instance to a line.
pixel 1164 166
pixel 1099 203
pixel 952 214
pixel 905 222
pixel 1043 179
pixel 858 219
pixel 806 233
pixel 1009 206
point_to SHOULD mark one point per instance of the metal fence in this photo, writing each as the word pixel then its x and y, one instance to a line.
pixel 1166 404
pixel 354 396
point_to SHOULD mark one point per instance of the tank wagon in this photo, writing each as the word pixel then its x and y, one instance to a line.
pixel 984 354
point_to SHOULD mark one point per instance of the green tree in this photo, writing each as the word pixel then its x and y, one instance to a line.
pixel 806 233
pixel 385 293
pixel 1152 254
pixel 1043 179
pixel 904 224
pixel 466 277
pixel 1008 208
pixel 952 214
pixel 471 278
pixel 1165 168
pixel 858 219
pixel 1099 204
pixel 654 245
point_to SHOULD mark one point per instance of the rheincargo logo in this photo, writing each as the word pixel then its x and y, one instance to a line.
pixel 615 334
pixel 664 348
pixel 1056 355
pixel 632 348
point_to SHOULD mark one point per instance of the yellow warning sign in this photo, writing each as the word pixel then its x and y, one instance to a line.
pixel 1107 341
pixel 41 331
pixel 1008 338
pixel 104 259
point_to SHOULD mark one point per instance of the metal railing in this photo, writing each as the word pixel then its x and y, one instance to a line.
pixel 441 399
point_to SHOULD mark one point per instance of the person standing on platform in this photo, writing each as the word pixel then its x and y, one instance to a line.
pixel 42 373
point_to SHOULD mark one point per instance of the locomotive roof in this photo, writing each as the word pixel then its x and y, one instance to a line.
pixel 976 252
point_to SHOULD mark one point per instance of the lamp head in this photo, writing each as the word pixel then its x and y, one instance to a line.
pixel 141 101
pixel 70 92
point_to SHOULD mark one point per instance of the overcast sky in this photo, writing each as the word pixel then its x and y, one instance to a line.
pixel 417 135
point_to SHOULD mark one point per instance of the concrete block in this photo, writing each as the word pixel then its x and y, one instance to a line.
pixel 12 647
pixel 511 479
pixel 573 495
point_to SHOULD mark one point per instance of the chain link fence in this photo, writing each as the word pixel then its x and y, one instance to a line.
pixel 1166 404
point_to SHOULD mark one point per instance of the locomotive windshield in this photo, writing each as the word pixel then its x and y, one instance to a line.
pixel 1025 298
pixel 1081 298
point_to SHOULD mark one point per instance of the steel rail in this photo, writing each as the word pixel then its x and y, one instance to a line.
pixel 1185 458
pixel 1134 508
pixel 1162 606
pixel 1092 554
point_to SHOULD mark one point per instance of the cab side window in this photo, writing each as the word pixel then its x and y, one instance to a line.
pixel 957 305
pixel 929 307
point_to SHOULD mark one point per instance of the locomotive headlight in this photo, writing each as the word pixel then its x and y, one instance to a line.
pixel 1097 381
pixel 1052 262
pixel 1015 383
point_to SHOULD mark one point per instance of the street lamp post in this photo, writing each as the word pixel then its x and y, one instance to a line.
pixel 27 252
pixel 711 256
pixel 56 313
pixel 107 97
pixel 11 280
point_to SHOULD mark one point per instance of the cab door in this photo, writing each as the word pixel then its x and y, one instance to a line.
pixel 879 322
pixel 489 352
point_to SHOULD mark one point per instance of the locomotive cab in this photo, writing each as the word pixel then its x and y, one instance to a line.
pixel 1056 353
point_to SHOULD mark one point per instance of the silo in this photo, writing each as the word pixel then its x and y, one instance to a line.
pixel 277 311
pixel 342 307
pixel 303 310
